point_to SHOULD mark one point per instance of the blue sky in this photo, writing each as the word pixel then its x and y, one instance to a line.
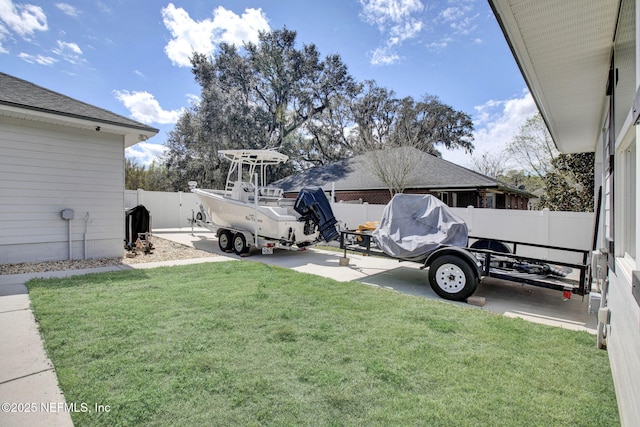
pixel 131 57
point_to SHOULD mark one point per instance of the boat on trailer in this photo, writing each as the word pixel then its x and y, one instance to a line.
pixel 248 212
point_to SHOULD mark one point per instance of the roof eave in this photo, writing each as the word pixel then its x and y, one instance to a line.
pixel 132 134
pixel 568 78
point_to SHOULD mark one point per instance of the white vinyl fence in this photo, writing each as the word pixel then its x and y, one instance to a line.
pixel 168 210
pixel 560 229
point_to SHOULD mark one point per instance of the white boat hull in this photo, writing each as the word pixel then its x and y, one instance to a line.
pixel 274 220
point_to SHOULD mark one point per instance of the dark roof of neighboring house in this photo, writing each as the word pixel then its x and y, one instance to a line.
pixel 20 93
pixel 355 174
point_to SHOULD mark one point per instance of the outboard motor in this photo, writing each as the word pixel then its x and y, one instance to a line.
pixel 313 205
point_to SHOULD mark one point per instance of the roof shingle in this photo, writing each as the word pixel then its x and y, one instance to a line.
pixel 354 174
pixel 20 93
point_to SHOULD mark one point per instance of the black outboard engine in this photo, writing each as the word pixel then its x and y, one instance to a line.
pixel 314 207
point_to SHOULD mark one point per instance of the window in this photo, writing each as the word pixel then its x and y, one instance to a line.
pixel 491 200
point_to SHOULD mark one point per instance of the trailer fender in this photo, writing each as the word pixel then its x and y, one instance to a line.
pixel 492 245
pixel 467 256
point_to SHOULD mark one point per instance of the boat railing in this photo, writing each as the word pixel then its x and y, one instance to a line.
pixel 271 192
pixel 240 190
pixel 268 196
pixel 244 191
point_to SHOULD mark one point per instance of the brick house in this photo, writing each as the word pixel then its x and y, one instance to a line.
pixel 352 180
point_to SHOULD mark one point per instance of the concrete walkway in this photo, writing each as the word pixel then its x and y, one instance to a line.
pixel 532 303
pixel 29 392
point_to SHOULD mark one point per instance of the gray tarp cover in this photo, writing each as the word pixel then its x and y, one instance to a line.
pixel 413 225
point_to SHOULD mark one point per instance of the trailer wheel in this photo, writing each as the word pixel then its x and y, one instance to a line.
pixel 224 241
pixel 452 278
pixel 240 244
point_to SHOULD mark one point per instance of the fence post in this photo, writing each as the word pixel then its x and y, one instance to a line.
pixel 179 209
pixel 140 197
pixel 547 228
pixel 470 212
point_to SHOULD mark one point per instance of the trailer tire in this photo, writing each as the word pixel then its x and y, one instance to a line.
pixel 224 241
pixel 452 278
pixel 240 244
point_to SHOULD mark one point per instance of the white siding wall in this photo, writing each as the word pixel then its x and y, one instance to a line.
pixel 623 345
pixel 45 169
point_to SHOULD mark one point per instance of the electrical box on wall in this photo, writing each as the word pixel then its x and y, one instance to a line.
pixel 67 214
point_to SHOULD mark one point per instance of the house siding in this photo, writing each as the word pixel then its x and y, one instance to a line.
pixel 45 169
pixel 623 345
pixel 623 332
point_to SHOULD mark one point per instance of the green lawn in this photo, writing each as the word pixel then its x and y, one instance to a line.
pixel 242 343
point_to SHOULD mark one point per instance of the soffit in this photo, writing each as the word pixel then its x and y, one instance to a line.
pixel 563 48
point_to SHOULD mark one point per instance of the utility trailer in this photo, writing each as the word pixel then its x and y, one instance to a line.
pixel 455 272
pixel 421 228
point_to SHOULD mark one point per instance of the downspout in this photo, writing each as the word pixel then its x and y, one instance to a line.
pixel 67 215
pixel 70 242
pixel 86 225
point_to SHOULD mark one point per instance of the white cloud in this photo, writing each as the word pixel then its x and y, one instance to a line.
pixel 144 153
pixel 386 13
pixel 452 24
pixel 65 48
pixel 67 9
pixel 440 44
pixel 464 26
pixel 384 56
pixel 37 59
pixel 23 19
pixel 189 35
pixel 70 52
pixel 397 22
pixel 434 25
pixel 3 35
pixel 145 108
pixel 496 123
